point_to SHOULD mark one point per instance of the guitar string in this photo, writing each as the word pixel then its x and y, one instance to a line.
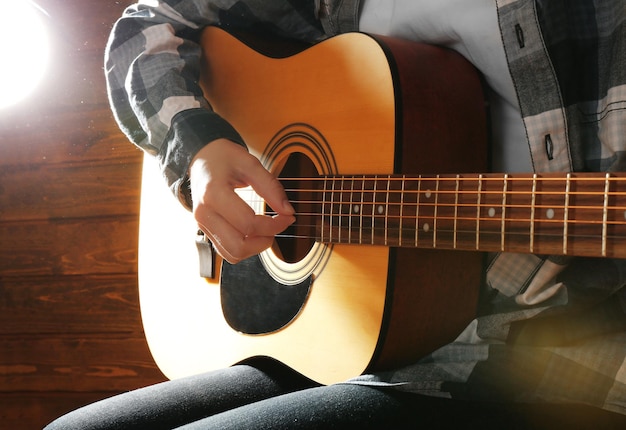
pixel 555 177
pixel 348 206
pixel 460 192
pixel 511 179
pixel 551 240
pixel 469 233
pixel 479 179
pixel 463 192
pixel 465 231
pixel 469 219
pixel 435 181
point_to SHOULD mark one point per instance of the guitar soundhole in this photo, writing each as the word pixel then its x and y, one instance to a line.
pixel 297 178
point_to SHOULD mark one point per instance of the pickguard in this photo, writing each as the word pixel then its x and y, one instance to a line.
pixel 255 303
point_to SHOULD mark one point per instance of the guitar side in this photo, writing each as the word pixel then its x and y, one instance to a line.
pixel 338 103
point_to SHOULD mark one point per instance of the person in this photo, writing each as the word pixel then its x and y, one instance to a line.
pixel 550 345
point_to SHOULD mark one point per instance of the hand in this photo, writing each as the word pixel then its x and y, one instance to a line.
pixel 230 223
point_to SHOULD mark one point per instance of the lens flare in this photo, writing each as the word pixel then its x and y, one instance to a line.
pixel 24 51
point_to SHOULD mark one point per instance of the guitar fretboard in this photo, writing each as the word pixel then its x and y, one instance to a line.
pixel 570 214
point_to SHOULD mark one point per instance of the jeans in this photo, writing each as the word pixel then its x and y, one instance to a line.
pixel 264 394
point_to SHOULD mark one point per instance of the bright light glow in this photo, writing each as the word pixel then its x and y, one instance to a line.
pixel 24 50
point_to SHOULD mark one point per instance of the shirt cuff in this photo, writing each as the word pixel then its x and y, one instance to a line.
pixel 190 131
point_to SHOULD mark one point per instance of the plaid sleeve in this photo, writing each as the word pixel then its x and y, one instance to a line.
pixel 152 68
pixel 152 65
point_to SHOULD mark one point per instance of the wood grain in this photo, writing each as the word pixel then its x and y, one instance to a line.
pixel 70 328
pixel 69 304
pixel 72 135
pixel 69 247
pixel 83 363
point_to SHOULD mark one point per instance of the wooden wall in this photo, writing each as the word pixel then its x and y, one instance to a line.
pixel 70 326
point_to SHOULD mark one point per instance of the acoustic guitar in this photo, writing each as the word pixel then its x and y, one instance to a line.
pixel 380 144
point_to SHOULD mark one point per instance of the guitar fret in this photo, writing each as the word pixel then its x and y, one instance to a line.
pixel 502 223
pixel 478 203
pixel 605 212
pixel 361 210
pixel 350 211
pixel 346 204
pixel 456 211
pixel 435 210
pixel 387 211
pixel 400 229
pixel 340 211
pixel 373 211
pixel 533 200
pixel 566 212
pixel 417 209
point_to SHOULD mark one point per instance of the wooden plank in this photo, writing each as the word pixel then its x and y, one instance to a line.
pixel 68 204
pixel 70 304
pixel 62 136
pixel 32 411
pixel 48 191
pixel 76 363
pixel 69 247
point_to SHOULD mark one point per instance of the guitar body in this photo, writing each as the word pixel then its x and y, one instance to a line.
pixel 353 104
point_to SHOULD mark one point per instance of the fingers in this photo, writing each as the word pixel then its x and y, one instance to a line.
pixel 233 227
pixel 270 189
pixel 232 244
pixel 229 222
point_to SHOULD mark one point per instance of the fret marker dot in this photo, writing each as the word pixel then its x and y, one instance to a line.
pixel 356 209
pixel 624 214
pixel 491 212
pixel 428 194
pixel 550 213
pixel 381 209
pixel 426 227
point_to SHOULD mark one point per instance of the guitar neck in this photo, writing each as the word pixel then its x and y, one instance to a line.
pixel 564 214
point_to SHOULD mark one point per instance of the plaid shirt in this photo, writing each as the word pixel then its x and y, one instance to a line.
pixel 550 329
